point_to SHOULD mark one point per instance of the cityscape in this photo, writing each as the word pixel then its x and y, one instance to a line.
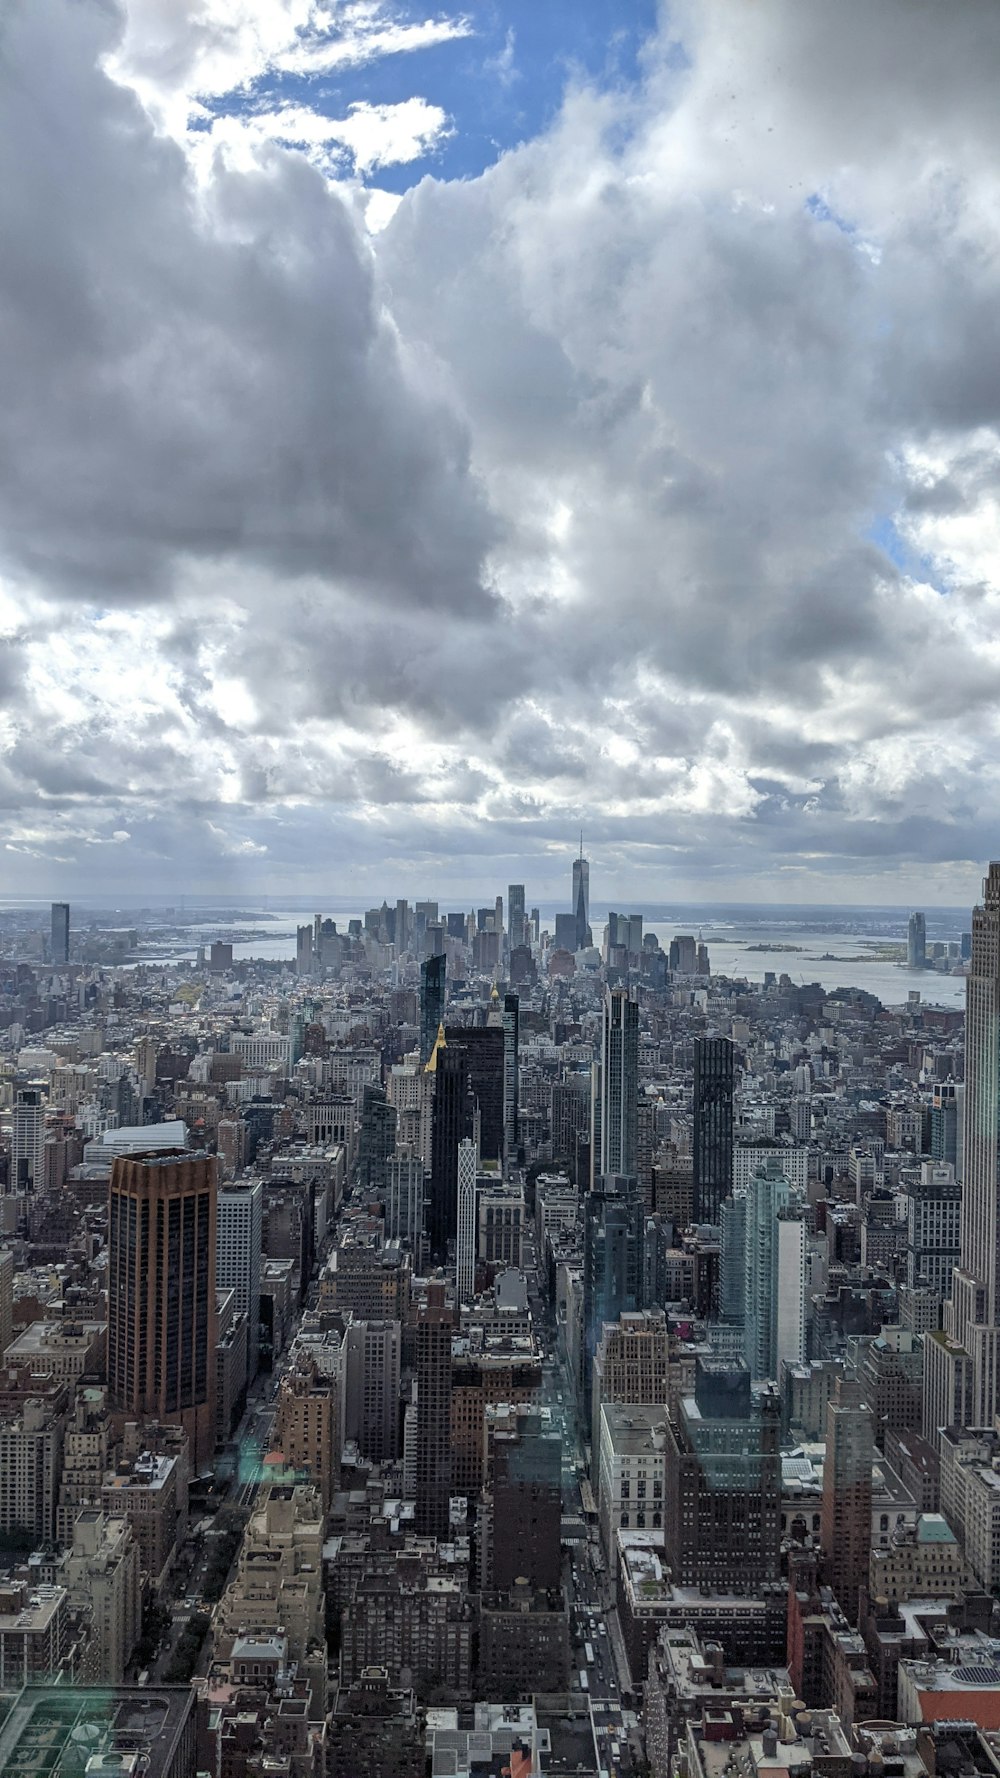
pixel 476 1344
pixel 500 891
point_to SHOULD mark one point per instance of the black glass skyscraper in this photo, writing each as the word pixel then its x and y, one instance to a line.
pixel 451 1120
pixel 432 979
pixel 484 1055
pixel 713 1126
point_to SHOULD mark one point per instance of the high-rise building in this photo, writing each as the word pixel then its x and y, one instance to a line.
pixel 515 914
pixel 713 1125
pixel 432 1341
pixel 465 1247
pixel 162 1223
pixel 371 1387
pixel 451 1120
pixel 619 1083
pixel 612 1266
pixel 722 1483
pixel 947 1107
pixel 27 1141
pixel 581 898
pixel 238 1255
pixel 971 1315
pixel 933 1227
pixel 774 1298
pixel 511 1064
pixel 524 1461
pixel 483 1047
pixel 846 1516
pixel 432 989
pixel 405 1210
pixel 916 942
pixel 307 1425
pixel 60 932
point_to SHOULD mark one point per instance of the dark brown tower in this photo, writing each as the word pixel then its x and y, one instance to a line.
pixel 161 1292
pixel 435 1324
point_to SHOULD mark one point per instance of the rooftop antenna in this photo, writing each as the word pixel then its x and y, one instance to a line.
pixel 581 842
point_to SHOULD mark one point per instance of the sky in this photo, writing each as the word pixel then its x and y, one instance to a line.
pixel 424 434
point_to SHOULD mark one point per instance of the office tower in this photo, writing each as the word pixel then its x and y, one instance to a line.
pixel 451 1120
pixel 432 987
pixel 60 932
pixel 515 914
pixel 465 1246
pixel 722 1484
pixel 238 1255
pixel 377 1139
pixel 916 942
pixel 581 899
pixel 569 1120
pixel 371 1368
pixel 304 950
pixel 511 1063
pixel 432 1342
pixel 524 1459
pixel 946 1123
pixel 162 1222
pixel 713 1125
pixel 619 1083
pixel 846 1515
pixel 405 1211
pixel 933 1228
pixel 27 1141
pixel 612 1259
pixel 567 933
pixel 483 1047
pixel 971 1315
pixel 774 1291
pixel 402 927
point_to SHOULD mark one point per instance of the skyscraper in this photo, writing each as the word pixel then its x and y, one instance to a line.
pixel 581 898
pixel 27 1141
pixel 432 980
pixel 515 914
pixel 162 1221
pixel 971 1316
pixel 465 1246
pixel 451 1119
pixel 713 1125
pixel 238 1254
pixel 846 1517
pixel 916 942
pixel 611 1259
pixel 60 932
pixel 511 1046
pixel 774 1260
pixel 435 1322
pixel 484 1049
pixel 619 1083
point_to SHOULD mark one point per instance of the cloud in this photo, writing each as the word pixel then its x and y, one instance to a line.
pixel 369 137
pixel 554 500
